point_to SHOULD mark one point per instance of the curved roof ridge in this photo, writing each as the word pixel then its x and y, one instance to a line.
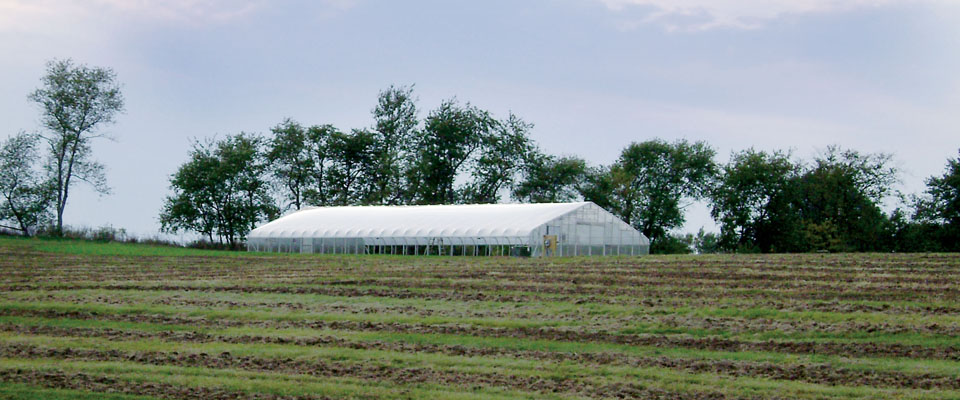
pixel 417 220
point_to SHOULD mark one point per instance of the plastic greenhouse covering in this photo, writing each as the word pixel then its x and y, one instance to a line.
pixel 549 229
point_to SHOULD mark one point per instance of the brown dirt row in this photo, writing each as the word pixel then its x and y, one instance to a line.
pixel 279 274
pixel 696 302
pixel 807 291
pixel 813 290
pixel 58 379
pixel 321 290
pixel 370 372
pixel 601 274
pixel 799 290
pixel 579 284
pixel 751 325
pixel 186 266
pixel 718 276
pixel 106 268
pixel 811 373
pixel 585 321
pixel 861 260
pixel 732 324
pixel 339 308
pixel 535 293
pixel 706 343
pixel 835 306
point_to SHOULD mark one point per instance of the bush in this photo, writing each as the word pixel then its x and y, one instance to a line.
pixel 208 245
pixel 106 233
pixel 706 242
pixel 672 244
pixel 109 234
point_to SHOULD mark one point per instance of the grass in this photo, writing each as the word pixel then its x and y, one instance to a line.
pixel 488 327
pixel 259 382
pixel 944 367
pixel 243 314
pixel 87 247
pixel 18 391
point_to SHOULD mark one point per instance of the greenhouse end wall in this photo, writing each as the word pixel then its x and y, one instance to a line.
pixel 591 231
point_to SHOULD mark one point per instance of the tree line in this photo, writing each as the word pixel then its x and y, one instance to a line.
pixel 763 201
pixel 460 154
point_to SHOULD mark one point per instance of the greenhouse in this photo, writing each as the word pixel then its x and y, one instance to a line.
pixel 548 229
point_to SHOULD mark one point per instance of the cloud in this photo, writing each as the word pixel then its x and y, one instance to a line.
pixel 28 15
pixel 700 15
pixel 190 11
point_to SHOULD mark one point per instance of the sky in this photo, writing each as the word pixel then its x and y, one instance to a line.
pixel 591 75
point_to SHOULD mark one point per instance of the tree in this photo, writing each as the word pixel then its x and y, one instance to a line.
pixel 745 197
pixel 651 179
pixel 941 205
pixel 221 191
pixel 351 158
pixel 765 202
pixel 452 134
pixel 76 100
pixel 673 244
pixel 916 234
pixel 501 155
pixel 290 162
pixel 25 197
pixel 548 179
pixel 837 201
pixel 317 143
pixel 395 126
pixel 599 185
pixel 706 242
pixel 196 203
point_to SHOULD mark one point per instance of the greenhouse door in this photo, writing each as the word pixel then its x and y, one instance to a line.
pixel 306 246
pixel 549 245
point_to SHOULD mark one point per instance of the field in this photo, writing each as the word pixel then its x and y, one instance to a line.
pixel 84 320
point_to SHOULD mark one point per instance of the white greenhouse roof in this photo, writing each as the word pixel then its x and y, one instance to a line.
pixel 476 220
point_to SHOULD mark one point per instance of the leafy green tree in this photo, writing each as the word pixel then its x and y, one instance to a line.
pixel 548 179
pixel 706 242
pixel 317 146
pixel 501 155
pixel 673 244
pixel 651 180
pixel 222 191
pixel 838 200
pixel 941 205
pixel 914 235
pixel 765 202
pixel 25 196
pixel 290 161
pixel 746 197
pixel 196 204
pixel 824 235
pixel 599 186
pixel 76 100
pixel 451 136
pixel 395 127
pixel 351 158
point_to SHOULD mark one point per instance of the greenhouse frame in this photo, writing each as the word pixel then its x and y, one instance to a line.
pixel 545 229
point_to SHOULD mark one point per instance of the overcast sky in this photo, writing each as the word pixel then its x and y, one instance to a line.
pixel 592 75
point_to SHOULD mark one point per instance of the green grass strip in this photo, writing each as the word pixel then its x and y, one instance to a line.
pixel 260 382
pixel 246 315
pixel 18 391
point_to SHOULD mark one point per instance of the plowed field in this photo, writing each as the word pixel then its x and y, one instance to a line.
pixel 103 323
